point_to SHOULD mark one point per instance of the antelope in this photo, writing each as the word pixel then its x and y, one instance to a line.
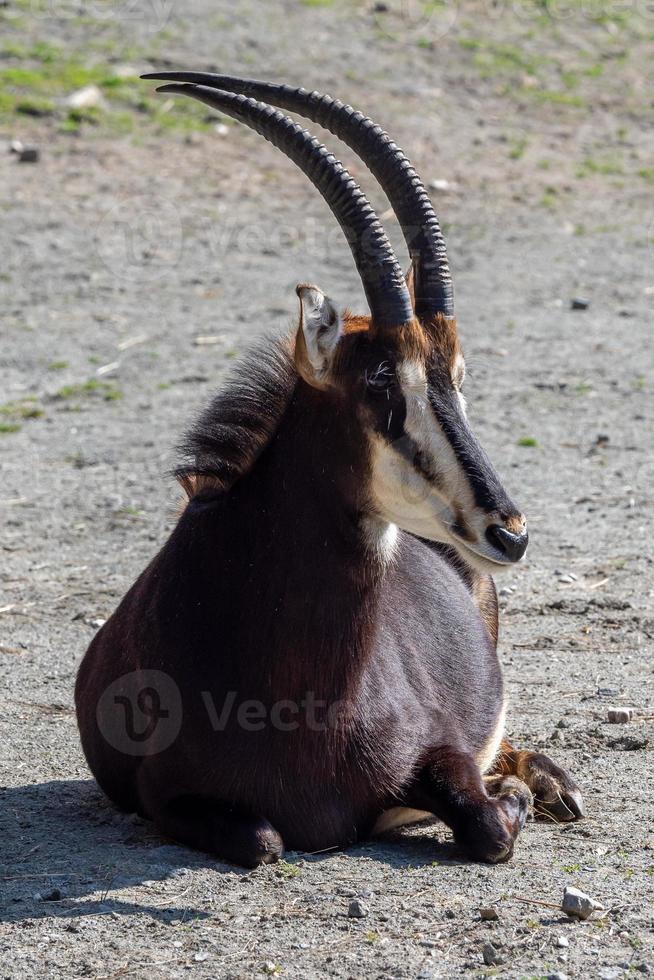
pixel 311 658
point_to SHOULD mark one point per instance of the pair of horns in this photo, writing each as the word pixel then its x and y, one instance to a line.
pixel 390 304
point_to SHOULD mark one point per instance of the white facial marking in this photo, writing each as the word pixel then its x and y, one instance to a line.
pixel 423 502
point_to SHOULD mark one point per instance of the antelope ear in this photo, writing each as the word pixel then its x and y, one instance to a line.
pixel 320 330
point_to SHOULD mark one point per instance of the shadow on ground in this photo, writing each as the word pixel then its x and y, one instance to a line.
pixel 67 852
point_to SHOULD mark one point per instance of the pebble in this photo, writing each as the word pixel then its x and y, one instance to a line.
pixel 562 941
pixel 557 976
pixel 54 895
pixel 490 955
pixel 89 97
pixel 579 304
pixel 577 904
pixel 357 910
pixel 25 154
pixel 619 716
pixel 439 185
pixel 489 914
pixel 201 957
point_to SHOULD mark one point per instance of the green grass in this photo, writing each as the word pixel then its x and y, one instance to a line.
pixel 556 98
pixel 287 870
pixel 105 389
pixel 24 408
pixel 528 442
pixel 57 365
pixel 518 147
pixel 499 60
pixel 605 167
pixel 7 427
pixel 35 81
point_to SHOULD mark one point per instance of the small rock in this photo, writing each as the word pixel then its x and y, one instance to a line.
pixel 619 716
pixel 628 743
pixel 380 7
pixel 562 942
pixel 25 154
pixel 89 97
pixel 221 129
pixel 490 955
pixel 557 976
pixel 201 957
pixel 357 910
pixel 567 579
pixel 609 973
pixel 54 895
pixel 579 304
pixel 577 904
pixel 489 914
pixel 440 184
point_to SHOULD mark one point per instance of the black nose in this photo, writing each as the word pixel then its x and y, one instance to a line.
pixel 513 546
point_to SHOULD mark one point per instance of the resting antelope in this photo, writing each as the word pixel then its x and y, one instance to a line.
pixel 311 657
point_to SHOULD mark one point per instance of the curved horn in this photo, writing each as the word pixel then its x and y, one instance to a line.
pixel 386 161
pixel 381 275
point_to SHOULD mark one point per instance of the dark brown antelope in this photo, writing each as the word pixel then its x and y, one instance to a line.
pixel 311 657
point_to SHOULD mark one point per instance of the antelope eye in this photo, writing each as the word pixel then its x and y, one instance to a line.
pixel 380 378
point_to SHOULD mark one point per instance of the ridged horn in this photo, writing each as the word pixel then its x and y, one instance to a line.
pixel 387 162
pixel 380 272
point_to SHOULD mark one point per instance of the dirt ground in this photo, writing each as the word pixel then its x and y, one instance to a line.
pixel 142 228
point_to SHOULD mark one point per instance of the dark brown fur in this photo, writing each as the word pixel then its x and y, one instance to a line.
pixel 267 591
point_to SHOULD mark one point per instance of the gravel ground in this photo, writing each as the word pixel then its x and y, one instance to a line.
pixel 141 229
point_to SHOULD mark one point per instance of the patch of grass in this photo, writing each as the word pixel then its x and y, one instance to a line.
pixel 287 870
pixel 555 97
pixel 24 408
pixel 571 868
pixel 518 147
pixel 495 60
pixel 606 167
pixel 528 442
pixel 647 173
pixel 549 198
pixel 105 389
pixel 582 388
pixel 7 427
pixel 57 365
pixel 40 89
